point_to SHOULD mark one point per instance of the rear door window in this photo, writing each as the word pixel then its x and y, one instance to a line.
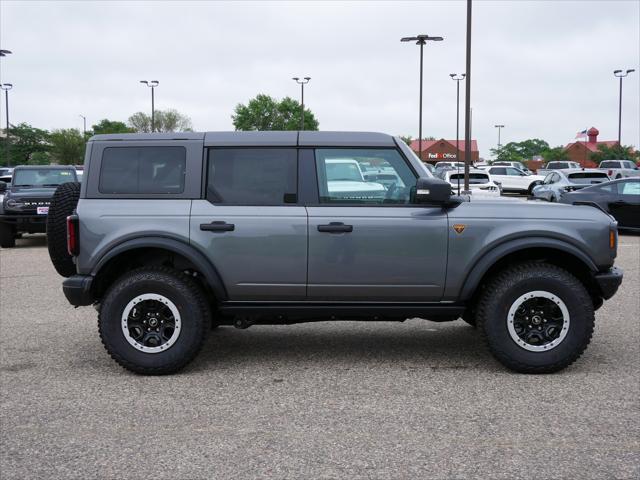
pixel 143 170
pixel 252 176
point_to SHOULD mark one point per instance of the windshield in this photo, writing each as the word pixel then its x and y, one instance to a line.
pixel 609 164
pixel 474 178
pixel 42 177
pixel 588 177
pixel 343 171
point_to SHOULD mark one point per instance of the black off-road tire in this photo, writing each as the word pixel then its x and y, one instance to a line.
pixel 63 204
pixel 510 284
pixel 180 289
pixel 7 236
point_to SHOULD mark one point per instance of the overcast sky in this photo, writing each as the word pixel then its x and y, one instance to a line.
pixel 541 68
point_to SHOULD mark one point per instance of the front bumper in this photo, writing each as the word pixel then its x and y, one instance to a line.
pixel 29 223
pixel 77 289
pixel 609 281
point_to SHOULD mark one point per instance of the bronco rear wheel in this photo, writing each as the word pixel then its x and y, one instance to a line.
pixel 153 320
pixel 63 203
pixel 536 318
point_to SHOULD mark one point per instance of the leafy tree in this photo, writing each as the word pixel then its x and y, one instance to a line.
pixel 267 113
pixel 24 140
pixel 111 126
pixel 67 146
pixel 520 151
pixel 406 139
pixel 556 154
pixel 40 158
pixel 615 152
pixel 165 121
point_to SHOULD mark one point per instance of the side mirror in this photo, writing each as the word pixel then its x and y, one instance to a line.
pixel 3 187
pixel 431 190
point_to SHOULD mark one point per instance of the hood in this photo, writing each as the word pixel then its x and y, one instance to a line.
pixel 31 192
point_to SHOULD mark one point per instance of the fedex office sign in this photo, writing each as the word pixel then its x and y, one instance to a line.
pixel 441 156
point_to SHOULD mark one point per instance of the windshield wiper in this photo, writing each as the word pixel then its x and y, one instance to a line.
pixel 50 184
pixel 23 185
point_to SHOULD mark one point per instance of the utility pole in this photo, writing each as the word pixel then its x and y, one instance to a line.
pixel 620 75
pixel 420 40
pixel 302 83
pixel 84 127
pixel 499 127
pixel 6 87
pixel 467 106
pixel 458 79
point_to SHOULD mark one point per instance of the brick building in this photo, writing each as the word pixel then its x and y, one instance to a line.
pixel 580 152
pixel 434 151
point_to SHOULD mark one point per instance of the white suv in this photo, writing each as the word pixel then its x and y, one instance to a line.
pixel 513 179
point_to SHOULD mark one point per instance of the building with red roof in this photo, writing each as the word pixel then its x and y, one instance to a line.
pixel 580 152
pixel 434 151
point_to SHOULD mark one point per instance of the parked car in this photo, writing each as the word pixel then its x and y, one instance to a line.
pixel 450 164
pixel 513 179
pixel 480 182
pixel 619 168
pixel 518 165
pixel 26 200
pixel 429 167
pixel 620 198
pixel 561 181
pixel 171 234
pixel 346 180
pixel 6 171
pixel 554 166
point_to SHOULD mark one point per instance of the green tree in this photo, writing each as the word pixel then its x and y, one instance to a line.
pixel 165 121
pixel 111 126
pixel 406 139
pixel 40 158
pixel 556 154
pixel 67 146
pixel 615 152
pixel 267 113
pixel 520 151
pixel 24 140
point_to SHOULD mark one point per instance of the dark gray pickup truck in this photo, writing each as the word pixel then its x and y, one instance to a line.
pixel 171 234
pixel 26 200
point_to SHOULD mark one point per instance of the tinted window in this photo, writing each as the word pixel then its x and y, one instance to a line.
pixel 514 172
pixel 143 170
pixel 588 177
pixel 609 164
pixel 42 177
pixel 343 178
pixel 629 188
pixel 498 171
pixel 474 178
pixel 252 176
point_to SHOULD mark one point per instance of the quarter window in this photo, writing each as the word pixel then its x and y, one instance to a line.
pixel 363 176
pixel 630 188
pixel 142 170
pixel 252 176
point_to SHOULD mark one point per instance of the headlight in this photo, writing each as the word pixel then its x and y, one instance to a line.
pixel 11 203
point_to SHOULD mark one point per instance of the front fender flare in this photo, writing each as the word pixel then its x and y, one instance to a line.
pixel 482 266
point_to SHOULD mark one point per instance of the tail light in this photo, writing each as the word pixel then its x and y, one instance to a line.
pixel 609 172
pixel 613 239
pixel 73 245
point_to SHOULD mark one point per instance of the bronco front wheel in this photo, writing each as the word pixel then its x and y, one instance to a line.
pixel 536 317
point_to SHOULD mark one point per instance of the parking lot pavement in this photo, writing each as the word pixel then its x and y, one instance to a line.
pixel 320 400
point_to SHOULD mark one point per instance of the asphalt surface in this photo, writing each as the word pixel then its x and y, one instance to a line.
pixel 323 400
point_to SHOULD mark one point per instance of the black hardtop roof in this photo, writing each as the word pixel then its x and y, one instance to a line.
pixel 40 167
pixel 263 139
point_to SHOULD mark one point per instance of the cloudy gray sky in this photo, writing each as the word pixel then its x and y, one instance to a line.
pixel 542 68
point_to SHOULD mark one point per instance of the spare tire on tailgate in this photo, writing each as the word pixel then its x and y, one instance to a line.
pixel 62 205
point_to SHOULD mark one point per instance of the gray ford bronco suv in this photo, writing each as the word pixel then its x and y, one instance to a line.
pixel 173 234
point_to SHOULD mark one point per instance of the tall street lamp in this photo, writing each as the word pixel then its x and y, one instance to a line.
pixel 302 83
pixel 84 126
pixel 458 78
pixel 420 40
pixel 621 75
pixel 152 84
pixel 6 87
pixel 467 104
pixel 499 127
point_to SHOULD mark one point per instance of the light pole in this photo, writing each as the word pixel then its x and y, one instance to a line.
pixel 499 127
pixel 467 104
pixel 620 75
pixel 302 83
pixel 458 78
pixel 152 84
pixel 84 126
pixel 6 87
pixel 420 40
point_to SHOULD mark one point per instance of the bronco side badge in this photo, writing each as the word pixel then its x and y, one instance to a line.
pixel 459 228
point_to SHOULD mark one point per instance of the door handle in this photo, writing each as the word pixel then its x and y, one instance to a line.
pixel 217 226
pixel 335 227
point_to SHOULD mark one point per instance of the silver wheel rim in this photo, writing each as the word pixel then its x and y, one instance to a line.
pixel 538 315
pixel 142 330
